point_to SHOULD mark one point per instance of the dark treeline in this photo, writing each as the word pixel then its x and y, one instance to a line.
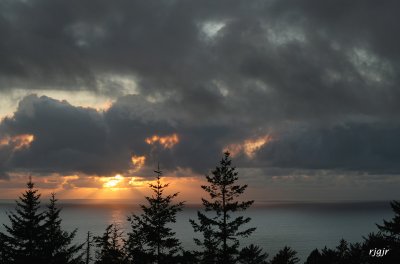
pixel 36 236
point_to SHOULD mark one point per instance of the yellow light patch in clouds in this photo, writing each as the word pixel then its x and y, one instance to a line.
pixel 137 181
pixel 113 181
pixel 120 182
pixel 249 146
pixel 166 141
pixel 104 106
pixel 18 142
pixel 138 161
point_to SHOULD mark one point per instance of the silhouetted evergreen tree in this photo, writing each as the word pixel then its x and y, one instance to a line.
pixel 252 255
pixel 58 247
pixel 151 240
pixel 388 237
pixel 391 231
pixel 110 244
pixel 5 249
pixel 356 254
pixel 314 257
pixel 221 232
pixel 342 249
pixel 25 236
pixel 285 256
pixel 329 256
pixel 344 253
pixel 187 257
pixel 138 252
pixel 89 244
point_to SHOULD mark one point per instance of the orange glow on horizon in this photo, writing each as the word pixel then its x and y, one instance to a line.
pixel 249 146
pixel 87 187
pixel 165 141
pixel 18 142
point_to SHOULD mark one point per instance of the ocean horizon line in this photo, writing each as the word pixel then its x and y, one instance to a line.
pixel 190 204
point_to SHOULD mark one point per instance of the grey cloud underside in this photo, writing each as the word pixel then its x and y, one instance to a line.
pixel 372 148
pixel 320 75
pixel 71 139
pixel 284 59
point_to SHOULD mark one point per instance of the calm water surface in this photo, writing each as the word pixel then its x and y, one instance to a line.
pixel 302 226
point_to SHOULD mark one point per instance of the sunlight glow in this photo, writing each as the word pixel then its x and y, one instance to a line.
pixel 137 182
pixel 105 106
pixel 165 141
pixel 138 161
pixel 113 182
pixel 249 146
pixel 18 142
pixel 103 188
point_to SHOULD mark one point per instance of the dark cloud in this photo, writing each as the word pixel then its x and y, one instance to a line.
pixel 365 147
pixel 321 77
pixel 66 138
pixel 4 157
pixel 276 59
pixel 69 139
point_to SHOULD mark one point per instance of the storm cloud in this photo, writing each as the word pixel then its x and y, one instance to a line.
pixel 68 139
pixel 321 78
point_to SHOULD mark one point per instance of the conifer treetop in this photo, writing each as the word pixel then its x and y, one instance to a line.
pixel 221 231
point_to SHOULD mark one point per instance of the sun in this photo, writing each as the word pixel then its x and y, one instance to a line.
pixel 113 181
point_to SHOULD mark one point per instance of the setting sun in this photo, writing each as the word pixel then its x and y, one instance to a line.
pixel 113 182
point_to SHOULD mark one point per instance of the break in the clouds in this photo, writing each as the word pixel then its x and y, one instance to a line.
pixel 289 85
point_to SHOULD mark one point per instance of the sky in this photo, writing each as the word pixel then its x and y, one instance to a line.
pixel 303 94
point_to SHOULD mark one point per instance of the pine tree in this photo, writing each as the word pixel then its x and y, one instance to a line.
pixel 151 240
pixel 110 244
pixel 252 255
pixel 342 250
pixel 314 257
pixel 221 232
pixel 137 251
pixel 390 231
pixel 88 243
pixel 285 256
pixel 329 256
pixel 58 247
pixel 25 237
pixel 5 249
pixel 392 228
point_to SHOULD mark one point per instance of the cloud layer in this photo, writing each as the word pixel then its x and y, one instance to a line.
pixel 319 80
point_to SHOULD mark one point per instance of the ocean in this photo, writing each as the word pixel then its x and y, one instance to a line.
pixel 303 226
